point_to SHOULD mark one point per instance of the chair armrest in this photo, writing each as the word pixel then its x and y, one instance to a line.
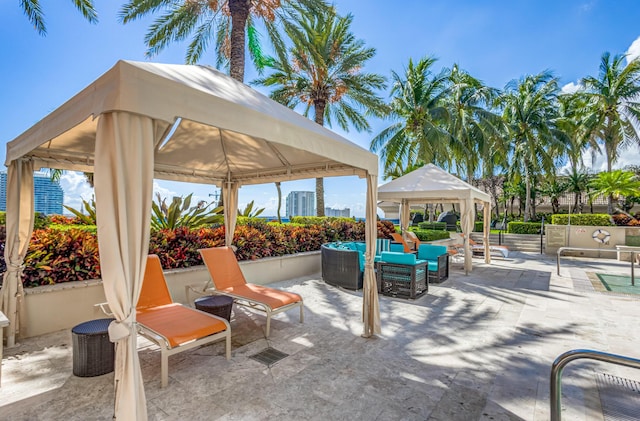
pixel 198 290
pixel 442 260
pixel 105 308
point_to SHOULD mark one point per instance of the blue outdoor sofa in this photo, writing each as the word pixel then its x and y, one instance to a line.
pixel 343 262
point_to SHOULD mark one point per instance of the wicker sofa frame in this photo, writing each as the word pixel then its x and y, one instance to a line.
pixel 341 268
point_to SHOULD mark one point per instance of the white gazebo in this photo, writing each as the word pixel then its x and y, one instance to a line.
pixel 431 184
pixel 141 121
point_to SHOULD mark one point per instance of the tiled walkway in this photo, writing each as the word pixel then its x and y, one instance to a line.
pixel 477 347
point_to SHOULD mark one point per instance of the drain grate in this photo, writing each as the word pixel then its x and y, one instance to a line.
pixel 269 356
pixel 619 397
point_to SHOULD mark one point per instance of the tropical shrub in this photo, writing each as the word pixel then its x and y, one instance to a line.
pixel 180 213
pixel 87 219
pixel 385 229
pixel 249 212
pixel 70 253
pixel 524 227
pixel 582 219
pixel 61 256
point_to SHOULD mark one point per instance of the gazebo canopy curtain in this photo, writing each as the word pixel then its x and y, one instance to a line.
pixel 431 184
pixel 174 122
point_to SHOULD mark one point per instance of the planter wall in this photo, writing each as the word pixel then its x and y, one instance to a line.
pixel 557 236
pixel 52 308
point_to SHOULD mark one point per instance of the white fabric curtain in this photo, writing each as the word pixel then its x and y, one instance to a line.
pixel 370 304
pixel 230 194
pixel 466 223
pixel 124 187
pixel 404 215
pixel 485 231
pixel 20 216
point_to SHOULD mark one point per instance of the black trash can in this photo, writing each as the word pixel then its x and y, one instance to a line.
pixel 93 352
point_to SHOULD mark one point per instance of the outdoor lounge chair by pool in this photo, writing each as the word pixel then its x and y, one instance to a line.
pixel 478 249
pixel 173 326
pixel 398 239
pixel 228 279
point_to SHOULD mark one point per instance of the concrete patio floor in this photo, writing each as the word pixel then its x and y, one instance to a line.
pixel 477 347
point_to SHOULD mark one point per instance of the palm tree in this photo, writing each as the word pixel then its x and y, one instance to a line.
pixel 577 183
pixel 614 184
pixel 321 71
pixel 229 23
pixel 471 125
pixel 34 13
pixel 418 106
pixel 529 112
pixel 614 106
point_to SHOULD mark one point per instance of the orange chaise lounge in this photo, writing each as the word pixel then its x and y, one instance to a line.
pixel 399 239
pixel 173 326
pixel 227 279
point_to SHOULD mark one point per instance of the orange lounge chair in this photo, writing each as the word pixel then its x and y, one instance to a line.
pixel 173 326
pixel 227 279
pixel 398 239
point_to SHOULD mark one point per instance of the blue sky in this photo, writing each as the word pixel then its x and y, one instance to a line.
pixel 496 41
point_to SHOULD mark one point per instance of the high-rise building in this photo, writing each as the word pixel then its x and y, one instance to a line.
pixel 343 213
pixel 48 194
pixel 301 203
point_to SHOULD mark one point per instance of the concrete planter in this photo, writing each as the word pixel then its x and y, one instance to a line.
pixel 51 308
pixel 582 236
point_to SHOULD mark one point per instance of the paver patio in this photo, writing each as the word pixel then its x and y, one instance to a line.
pixel 477 347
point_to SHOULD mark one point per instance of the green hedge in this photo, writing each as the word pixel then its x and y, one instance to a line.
pixel 431 235
pixel 440 226
pixel 596 219
pixel 524 227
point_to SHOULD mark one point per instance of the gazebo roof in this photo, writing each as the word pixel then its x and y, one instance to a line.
pixel 430 184
pixel 215 129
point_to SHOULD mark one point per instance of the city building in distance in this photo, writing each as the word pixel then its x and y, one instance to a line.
pixel 48 194
pixel 301 203
pixel 344 213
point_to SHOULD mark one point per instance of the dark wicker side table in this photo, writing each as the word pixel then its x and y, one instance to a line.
pixel 218 305
pixel 93 352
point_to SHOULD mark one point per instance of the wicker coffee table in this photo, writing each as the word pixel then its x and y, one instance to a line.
pixel 93 352
pixel 218 305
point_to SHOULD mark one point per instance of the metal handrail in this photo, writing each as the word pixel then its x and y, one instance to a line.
pixel 560 362
pixel 561 249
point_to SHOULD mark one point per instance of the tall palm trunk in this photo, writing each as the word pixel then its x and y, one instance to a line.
pixel 527 199
pixel 279 201
pixel 319 106
pixel 239 10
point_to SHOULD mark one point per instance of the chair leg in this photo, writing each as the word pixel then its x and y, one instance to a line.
pixel 301 313
pixel 228 345
pixel 164 369
pixel 268 325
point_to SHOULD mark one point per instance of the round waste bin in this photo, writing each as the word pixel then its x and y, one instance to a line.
pixel 93 352
pixel 218 305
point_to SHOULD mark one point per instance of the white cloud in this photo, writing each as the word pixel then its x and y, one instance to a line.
pixel 571 88
pixel 76 189
pixel 634 50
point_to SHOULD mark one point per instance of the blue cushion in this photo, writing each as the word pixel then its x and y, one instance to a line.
pixel 432 266
pixel 430 251
pixel 361 247
pixel 382 244
pixel 396 247
pixel 399 258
